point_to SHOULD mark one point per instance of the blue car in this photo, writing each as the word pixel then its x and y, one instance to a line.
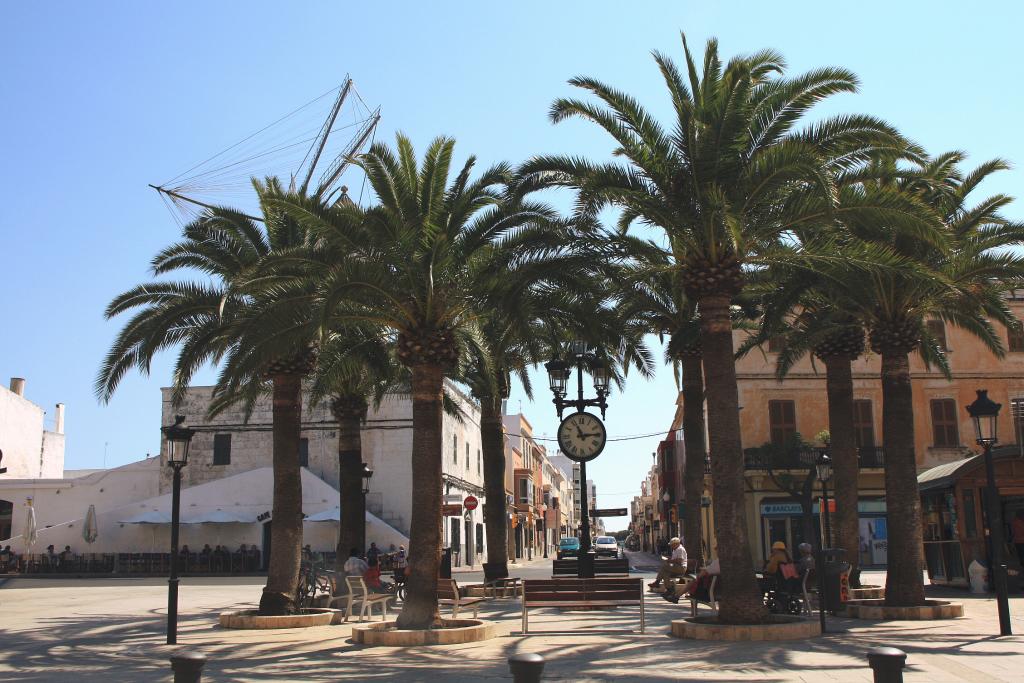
pixel 569 546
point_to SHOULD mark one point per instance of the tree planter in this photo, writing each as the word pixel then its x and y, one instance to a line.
pixel 453 631
pixel 780 627
pixel 877 609
pixel 249 619
pixel 867 593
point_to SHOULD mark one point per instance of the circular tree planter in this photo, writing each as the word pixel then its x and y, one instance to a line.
pixel 452 631
pixel 249 619
pixel 867 593
pixel 781 627
pixel 877 609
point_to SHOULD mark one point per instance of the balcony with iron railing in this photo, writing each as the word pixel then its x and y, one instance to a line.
pixel 802 458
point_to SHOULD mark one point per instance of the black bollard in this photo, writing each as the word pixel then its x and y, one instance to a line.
pixel 188 667
pixel 526 668
pixel 887 663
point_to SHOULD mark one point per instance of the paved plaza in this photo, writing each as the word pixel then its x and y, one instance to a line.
pixel 113 630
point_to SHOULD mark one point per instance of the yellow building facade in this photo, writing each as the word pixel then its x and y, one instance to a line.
pixel 772 411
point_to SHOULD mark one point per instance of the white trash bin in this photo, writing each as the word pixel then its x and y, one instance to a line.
pixel 979 577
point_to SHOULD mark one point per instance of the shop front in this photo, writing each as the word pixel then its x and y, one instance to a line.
pixel 955 517
pixel 782 519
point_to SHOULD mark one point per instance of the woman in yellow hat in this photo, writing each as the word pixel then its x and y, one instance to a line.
pixel 779 556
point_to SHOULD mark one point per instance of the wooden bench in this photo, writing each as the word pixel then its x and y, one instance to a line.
pixel 711 602
pixel 604 566
pixel 597 592
pixel 448 594
pixel 509 583
pixel 358 592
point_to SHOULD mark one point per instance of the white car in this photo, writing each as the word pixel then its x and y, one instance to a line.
pixel 606 546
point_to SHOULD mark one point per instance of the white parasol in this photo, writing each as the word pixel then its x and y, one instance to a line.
pixel 30 535
pixel 90 530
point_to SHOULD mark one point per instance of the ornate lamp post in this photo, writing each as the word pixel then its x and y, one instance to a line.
pixel 581 436
pixel 984 413
pixel 824 472
pixel 366 474
pixel 178 439
pixel 824 467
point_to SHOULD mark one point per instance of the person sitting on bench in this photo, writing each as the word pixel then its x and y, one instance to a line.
pixel 674 565
pixel 702 584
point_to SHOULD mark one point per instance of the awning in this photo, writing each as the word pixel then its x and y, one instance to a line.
pixel 220 516
pixel 148 517
pixel 376 528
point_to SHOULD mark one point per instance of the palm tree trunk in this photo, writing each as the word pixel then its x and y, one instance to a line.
pixel 420 608
pixel 845 462
pixel 904 585
pixel 492 440
pixel 286 530
pixel 350 485
pixel 693 445
pixel 741 596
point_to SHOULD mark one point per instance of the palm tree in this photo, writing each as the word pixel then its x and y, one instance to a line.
pixel 419 265
pixel 971 270
pixel 727 185
pixel 256 333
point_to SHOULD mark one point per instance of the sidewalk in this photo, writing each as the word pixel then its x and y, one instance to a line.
pixel 513 564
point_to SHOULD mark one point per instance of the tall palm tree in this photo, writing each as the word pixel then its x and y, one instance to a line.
pixel 728 185
pixel 971 269
pixel 418 264
pixel 257 334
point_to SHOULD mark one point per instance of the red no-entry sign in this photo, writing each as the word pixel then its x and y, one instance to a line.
pixel 470 503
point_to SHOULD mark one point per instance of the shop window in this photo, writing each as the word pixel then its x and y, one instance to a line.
pixel 863 423
pixel 937 329
pixel 1015 339
pixel 782 422
pixel 303 452
pixel 945 433
pixel 221 449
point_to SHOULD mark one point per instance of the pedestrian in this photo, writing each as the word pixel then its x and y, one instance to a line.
pixel 673 566
pixel 373 555
pixel 806 562
pixel 778 556
pixel 355 565
pixel 399 564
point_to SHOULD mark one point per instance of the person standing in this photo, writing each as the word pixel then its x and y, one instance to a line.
pixel 373 555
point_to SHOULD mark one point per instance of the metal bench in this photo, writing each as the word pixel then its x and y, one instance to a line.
pixel 597 592
pixel 358 592
pixel 711 602
pixel 603 566
pixel 448 594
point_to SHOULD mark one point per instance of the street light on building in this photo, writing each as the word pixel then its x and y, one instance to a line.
pixel 984 413
pixel 178 439
pixel 582 435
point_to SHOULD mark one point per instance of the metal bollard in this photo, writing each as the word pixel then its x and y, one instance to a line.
pixel 887 663
pixel 188 667
pixel 526 667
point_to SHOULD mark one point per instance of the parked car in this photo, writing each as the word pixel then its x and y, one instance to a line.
pixel 606 546
pixel 569 546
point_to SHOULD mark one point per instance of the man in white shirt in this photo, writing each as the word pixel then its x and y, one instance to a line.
pixel 674 566
pixel 355 565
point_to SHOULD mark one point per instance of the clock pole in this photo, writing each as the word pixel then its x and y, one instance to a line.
pixel 558 376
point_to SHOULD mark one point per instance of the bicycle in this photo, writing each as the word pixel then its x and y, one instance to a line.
pixel 313 582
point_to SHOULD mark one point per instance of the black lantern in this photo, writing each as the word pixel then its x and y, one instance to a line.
pixel 578 347
pixel 558 376
pixel 367 473
pixel 824 467
pixel 601 376
pixel 984 413
pixel 178 440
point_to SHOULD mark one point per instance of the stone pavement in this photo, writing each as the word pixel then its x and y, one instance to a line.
pixel 112 630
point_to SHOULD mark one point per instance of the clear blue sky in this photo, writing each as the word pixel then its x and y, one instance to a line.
pixel 101 99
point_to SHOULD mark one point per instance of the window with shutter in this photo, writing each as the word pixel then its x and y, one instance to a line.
pixel 1017 413
pixel 782 421
pixel 1015 339
pixel 937 329
pixel 221 449
pixel 945 431
pixel 863 423
pixel 776 344
pixel 303 452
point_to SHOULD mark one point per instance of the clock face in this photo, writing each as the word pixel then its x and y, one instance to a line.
pixel 582 437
